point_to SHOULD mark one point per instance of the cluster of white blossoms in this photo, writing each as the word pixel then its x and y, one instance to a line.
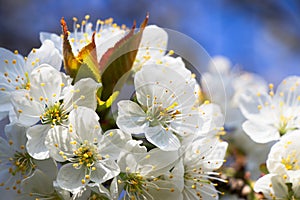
pixel 164 144
pixel 274 116
pixel 62 141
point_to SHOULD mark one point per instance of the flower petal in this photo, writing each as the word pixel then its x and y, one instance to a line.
pixel 252 104
pixel 28 112
pixel 278 189
pixel 161 84
pixel 12 68
pixel 46 82
pixel 105 170
pixel 83 94
pixel 36 142
pixel 46 54
pixel 5 150
pixel 17 133
pixel 38 183
pixel 288 91
pixel 131 118
pixel 58 139
pixel 260 133
pixel 54 38
pixel 85 122
pixel 161 138
pixel 70 178
pixel 113 143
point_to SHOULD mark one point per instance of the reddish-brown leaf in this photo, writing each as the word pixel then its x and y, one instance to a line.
pixel 119 59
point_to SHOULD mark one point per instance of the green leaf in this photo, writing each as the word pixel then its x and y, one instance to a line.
pixel 118 60
pixel 102 105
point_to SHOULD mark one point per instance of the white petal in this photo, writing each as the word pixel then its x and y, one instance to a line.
pixel 177 175
pixel 107 40
pixel 46 82
pixel 206 191
pixel 83 94
pixel 131 118
pixel 70 178
pixel 58 139
pixel 167 191
pixel 212 117
pixel 100 189
pixel 278 189
pixel 164 83
pixel 54 38
pixel 288 91
pixel 13 70
pixel 85 121
pixel 48 166
pixel 156 162
pixel 284 150
pixel 154 43
pixel 46 54
pixel 36 142
pixel 161 138
pixel 5 103
pixel 28 112
pixel 16 133
pixel 216 157
pixel 38 183
pixel 260 133
pixel 113 142
pixel 249 103
pixel 105 170
pixel 5 150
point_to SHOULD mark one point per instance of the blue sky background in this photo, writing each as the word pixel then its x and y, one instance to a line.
pixel 260 36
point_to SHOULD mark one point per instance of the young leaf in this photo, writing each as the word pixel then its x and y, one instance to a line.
pixel 118 60
pixel 85 64
pixel 88 57
pixel 71 65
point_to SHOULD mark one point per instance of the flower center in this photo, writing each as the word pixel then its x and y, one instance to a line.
pixel 54 115
pixel 22 163
pixel 87 154
pixel 291 161
pixel 134 182
pixel 157 115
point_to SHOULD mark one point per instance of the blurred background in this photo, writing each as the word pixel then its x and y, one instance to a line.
pixel 260 36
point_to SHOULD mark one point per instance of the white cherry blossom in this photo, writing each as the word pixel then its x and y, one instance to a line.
pixel 165 110
pixel 284 156
pixel 276 187
pixel 223 85
pixel 48 102
pixel 90 155
pixel 141 174
pixel 271 115
pixel 196 169
pixel 16 164
pixel 15 71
